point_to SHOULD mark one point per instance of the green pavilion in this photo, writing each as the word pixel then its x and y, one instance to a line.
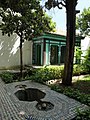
pixel 49 49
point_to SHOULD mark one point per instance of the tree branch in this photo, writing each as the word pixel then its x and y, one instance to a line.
pixel 64 5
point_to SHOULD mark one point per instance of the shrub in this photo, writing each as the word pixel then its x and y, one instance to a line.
pixel 7 77
pixel 53 72
pixel 43 74
pixel 47 73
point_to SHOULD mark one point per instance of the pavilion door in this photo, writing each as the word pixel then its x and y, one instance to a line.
pixel 38 55
pixel 63 52
pixel 54 55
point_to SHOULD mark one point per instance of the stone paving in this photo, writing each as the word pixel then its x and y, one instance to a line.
pixel 11 108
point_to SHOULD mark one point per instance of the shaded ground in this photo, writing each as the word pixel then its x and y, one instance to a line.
pixel 83 86
pixel 82 83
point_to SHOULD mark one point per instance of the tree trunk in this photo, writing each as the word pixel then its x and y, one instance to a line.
pixel 70 41
pixel 21 60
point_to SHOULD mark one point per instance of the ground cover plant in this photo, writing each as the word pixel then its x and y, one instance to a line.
pixel 7 77
pixel 73 92
pixel 83 115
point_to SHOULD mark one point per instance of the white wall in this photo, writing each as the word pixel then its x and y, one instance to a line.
pixel 9 51
pixel 85 44
pixel 27 53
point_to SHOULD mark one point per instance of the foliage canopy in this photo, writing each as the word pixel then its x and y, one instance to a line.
pixel 83 22
pixel 25 18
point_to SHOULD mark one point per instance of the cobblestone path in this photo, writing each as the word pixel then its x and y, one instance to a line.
pixel 8 110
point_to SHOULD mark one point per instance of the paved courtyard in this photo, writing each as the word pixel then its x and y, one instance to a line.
pixel 11 108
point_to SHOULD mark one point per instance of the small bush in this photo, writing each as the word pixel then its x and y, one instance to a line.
pixel 47 73
pixel 7 77
pixel 54 72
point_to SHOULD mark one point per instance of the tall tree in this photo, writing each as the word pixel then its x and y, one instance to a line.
pixel 70 41
pixel 83 22
pixel 25 18
pixel 70 6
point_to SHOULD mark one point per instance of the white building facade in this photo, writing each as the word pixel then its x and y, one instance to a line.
pixel 10 52
pixel 85 44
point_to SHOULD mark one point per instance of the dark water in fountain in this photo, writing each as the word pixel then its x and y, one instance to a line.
pixel 30 94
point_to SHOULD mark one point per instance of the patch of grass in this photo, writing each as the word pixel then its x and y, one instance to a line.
pixel 87 77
